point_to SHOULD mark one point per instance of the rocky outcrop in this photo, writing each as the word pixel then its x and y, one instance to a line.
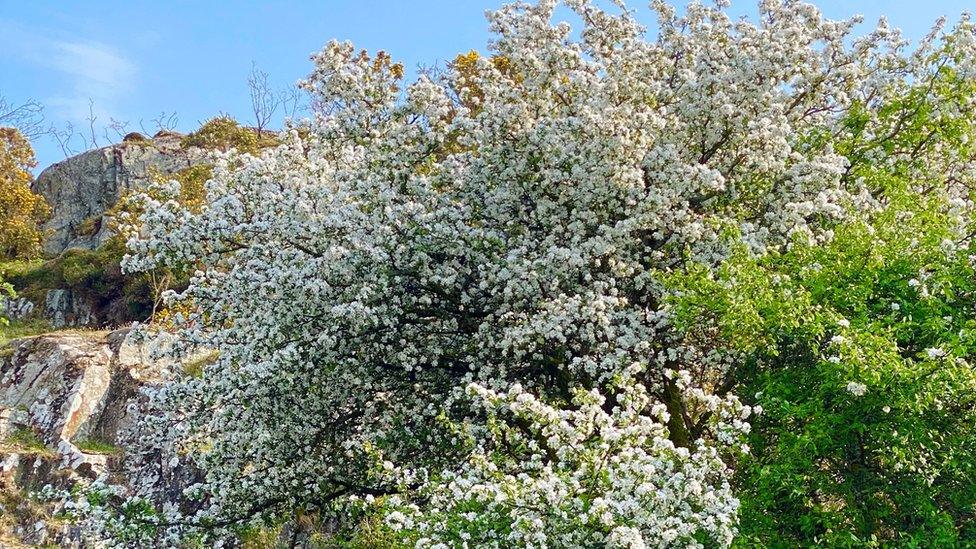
pixel 60 387
pixel 65 402
pixel 82 188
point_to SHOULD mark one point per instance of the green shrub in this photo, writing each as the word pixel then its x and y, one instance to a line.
pixel 95 275
pixel 82 268
pixel 862 366
pixel 224 133
pixel 193 185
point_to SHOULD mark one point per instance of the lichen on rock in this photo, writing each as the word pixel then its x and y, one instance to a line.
pixel 82 188
pixel 64 399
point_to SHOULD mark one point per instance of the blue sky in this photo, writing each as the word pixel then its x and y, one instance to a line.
pixel 137 58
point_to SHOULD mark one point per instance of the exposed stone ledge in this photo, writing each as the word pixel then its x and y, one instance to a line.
pixel 62 391
pixel 82 188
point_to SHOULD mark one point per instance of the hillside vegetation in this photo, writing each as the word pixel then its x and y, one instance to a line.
pixel 711 289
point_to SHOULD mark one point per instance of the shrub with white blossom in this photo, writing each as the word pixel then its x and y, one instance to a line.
pixel 512 305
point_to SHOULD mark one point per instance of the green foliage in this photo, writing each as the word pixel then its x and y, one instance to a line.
pixel 890 305
pixel 94 274
pixel 27 273
pixel 16 329
pixel 192 180
pixel 224 133
pixel 370 532
pixel 90 225
pixel 260 537
pixel 95 446
pixel 6 290
pixel 860 350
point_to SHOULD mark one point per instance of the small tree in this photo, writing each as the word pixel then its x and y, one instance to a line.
pixel 265 101
pixel 533 301
pixel 21 210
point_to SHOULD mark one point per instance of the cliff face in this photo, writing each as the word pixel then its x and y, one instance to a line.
pixel 81 188
pixel 65 402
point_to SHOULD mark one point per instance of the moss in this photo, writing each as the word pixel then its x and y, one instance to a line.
pixel 90 225
pixel 25 441
pixel 95 446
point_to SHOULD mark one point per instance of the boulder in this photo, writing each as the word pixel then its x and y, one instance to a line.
pixel 63 307
pixel 82 188
pixel 16 308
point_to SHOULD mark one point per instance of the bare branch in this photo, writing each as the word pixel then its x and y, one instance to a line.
pixel 166 121
pixel 28 117
pixel 91 125
pixel 120 128
pixel 293 101
pixel 63 137
pixel 264 101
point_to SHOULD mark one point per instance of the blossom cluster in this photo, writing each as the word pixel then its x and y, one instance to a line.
pixel 448 296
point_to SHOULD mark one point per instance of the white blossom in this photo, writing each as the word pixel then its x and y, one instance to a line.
pixel 449 292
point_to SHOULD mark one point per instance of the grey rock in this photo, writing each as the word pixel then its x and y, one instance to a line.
pixel 57 305
pixel 65 388
pixel 82 188
pixel 16 308
pixel 60 380
pixel 64 307
pixel 69 387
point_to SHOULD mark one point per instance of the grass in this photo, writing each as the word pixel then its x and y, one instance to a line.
pixel 259 538
pixel 17 268
pixel 17 329
pixel 19 510
pixel 95 446
pixel 31 278
pixel 25 441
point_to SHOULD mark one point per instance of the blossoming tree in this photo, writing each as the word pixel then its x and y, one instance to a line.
pixel 494 307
